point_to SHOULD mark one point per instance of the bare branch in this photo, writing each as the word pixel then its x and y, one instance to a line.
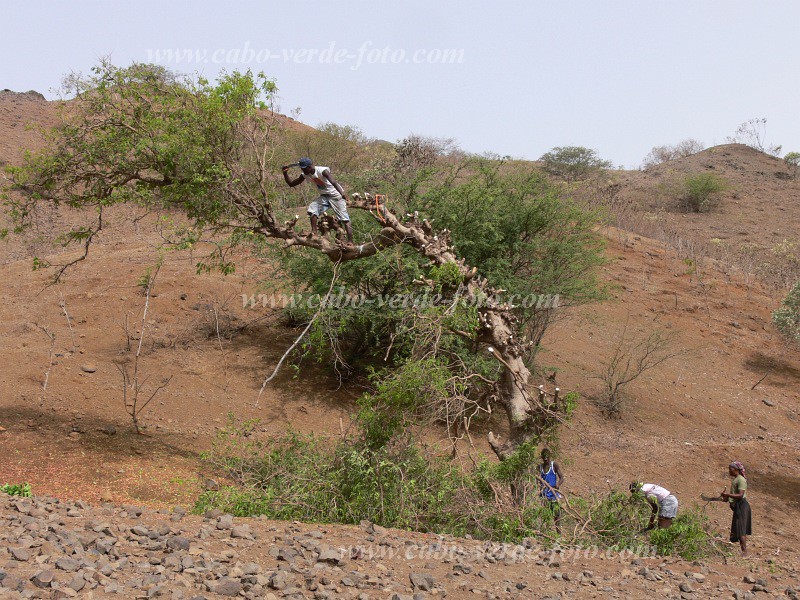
pixel 52 338
pixel 301 336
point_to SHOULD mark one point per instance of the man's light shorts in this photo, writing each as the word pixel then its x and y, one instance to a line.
pixel 323 203
pixel 669 507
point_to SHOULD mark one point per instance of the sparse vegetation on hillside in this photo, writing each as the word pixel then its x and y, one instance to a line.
pixel 345 146
pixel 662 154
pixel 588 448
pixel 754 133
pixel 701 191
pixel 787 317
pixel 792 160
pixel 756 188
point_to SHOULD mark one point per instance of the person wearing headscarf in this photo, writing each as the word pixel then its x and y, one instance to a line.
pixel 737 500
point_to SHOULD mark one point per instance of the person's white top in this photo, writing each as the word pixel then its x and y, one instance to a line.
pixel 651 489
pixel 324 187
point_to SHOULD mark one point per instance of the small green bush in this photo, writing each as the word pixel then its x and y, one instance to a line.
pixel 298 477
pixel 787 318
pixel 701 192
pixel 688 537
pixel 792 160
pixel 619 520
pixel 16 489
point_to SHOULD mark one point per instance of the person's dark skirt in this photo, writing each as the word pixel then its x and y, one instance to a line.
pixel 740 524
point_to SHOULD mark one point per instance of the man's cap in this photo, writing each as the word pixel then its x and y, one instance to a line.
pixel 304 162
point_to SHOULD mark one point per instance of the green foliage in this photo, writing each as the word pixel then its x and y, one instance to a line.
pixel 519 231
pixel 16 489
pixel 619 520
pixel 573 162
pixel 688 537
pixel 394 482
pixel 447 275
pixel 701 191
pixel 511 223
pixel 792 160
pixel 143 135
pixel 39 264
pixel 519 464
pixel 787 317
pixel 399 397
pixel 358 329
pixel 522 235
pixel 305 478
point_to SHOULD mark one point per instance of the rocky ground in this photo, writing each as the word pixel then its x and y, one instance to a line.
pixel 55 549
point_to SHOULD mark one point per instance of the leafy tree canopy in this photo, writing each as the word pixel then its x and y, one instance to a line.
pixel 573 162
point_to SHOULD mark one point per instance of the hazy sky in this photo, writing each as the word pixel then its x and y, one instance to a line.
pixel 514 78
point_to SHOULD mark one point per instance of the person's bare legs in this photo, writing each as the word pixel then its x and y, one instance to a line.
pixel 743 544
pixel 558 518
pixel 349 231
pixel 664 523
pixel 314 220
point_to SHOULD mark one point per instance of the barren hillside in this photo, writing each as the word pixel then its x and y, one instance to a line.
pixel 754 224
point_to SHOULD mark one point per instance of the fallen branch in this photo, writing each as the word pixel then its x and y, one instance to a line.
pixel 52 337
pixel 219 341
pixel 63 304
pixel 762 379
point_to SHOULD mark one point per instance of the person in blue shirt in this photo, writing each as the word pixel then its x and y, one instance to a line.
pixel 550 479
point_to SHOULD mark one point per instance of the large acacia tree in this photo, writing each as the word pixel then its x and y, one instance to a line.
pixel 212 150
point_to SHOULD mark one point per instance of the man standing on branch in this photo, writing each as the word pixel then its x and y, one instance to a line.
pixel 331 194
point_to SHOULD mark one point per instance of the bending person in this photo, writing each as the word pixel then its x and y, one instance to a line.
pixel 663 503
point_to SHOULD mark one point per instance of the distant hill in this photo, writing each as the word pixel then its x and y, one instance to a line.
pixel 756 221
